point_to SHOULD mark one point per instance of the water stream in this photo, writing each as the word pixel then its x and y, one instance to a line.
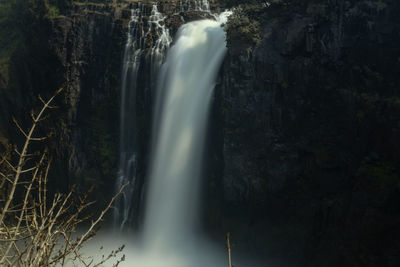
pixel 128 134
pixel 184 89
pixel 184 92
pixel 134 49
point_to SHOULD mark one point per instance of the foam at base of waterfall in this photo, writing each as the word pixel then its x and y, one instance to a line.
pixel 198 252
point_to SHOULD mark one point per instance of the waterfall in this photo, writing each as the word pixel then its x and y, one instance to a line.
pixel 200 5
pixel 127 158
pixel 161 44
pixel 134 48
pixel 185 87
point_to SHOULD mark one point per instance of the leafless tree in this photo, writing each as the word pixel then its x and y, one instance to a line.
pixel 37 229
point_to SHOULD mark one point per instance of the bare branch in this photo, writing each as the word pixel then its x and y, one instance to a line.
pixel 40 233
pixel 19 127
pixel 24 152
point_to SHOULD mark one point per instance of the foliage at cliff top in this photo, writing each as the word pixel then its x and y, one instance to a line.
pixel 244 24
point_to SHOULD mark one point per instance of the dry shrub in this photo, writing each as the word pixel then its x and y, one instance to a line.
pixel 37 229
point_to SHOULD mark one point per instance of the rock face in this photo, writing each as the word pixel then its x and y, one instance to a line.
pixel 308 122
pixel 89 43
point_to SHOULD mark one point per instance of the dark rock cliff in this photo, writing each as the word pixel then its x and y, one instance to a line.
pixel 309 116
pixel 89 42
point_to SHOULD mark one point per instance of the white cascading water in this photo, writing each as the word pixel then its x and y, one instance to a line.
pixel 202 5
pixel 128 131
pixel 199 5
pixel 184 93
pixel 161 44
pixel 185 87
pixel 127 160
pixel 134 48
pixel 170 235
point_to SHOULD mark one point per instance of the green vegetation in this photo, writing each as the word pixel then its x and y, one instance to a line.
pixel 381 175
pixel 246 22
pixel 243 26
pixel 53 12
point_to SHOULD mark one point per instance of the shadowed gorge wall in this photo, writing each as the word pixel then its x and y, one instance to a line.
pixel 310 131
